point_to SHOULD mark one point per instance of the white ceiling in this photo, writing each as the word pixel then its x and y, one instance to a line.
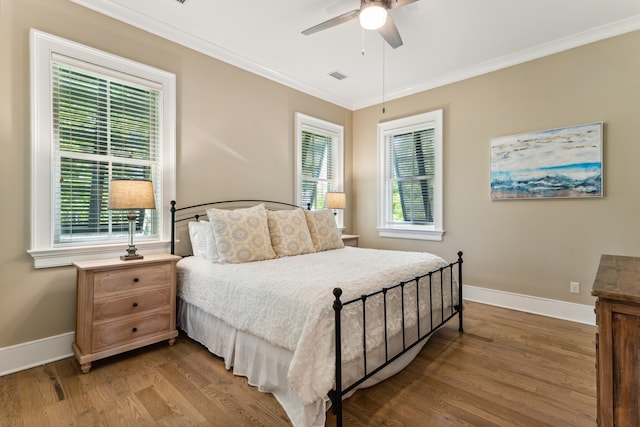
pixel 444 40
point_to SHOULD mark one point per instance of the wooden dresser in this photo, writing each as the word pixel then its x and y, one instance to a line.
pixel 123 305
pixel 617 286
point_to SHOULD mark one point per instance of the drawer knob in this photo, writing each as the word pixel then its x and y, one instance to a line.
pixel 136 280
pixel 135 304
pixel 134 330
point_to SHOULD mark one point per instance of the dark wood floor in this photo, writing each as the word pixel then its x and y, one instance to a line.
pixel 508 369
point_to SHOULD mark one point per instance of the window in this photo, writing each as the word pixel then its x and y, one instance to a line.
pixel 410 184
pixel 319 161
pixel 96 118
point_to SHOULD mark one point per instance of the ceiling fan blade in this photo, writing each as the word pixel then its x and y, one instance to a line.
pixel 390 33
pixel 345 17
pixel 393 4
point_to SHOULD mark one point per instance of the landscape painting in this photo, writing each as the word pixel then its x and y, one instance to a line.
pixel 556 163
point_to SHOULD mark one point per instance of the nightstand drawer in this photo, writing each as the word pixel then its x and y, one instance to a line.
pixel 120 333
pixel 128 279
pixel 113 308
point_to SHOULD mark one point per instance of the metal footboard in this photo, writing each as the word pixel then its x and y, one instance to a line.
pixel 434 278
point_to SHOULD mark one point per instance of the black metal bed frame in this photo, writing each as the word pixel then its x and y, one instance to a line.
pixel 196 216
pixel 455 309
pixel 336 395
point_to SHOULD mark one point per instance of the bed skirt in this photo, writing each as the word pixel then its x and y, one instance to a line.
pixel 265 365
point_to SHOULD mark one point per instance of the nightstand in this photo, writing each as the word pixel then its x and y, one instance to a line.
pixel 350 239
pixel 123 305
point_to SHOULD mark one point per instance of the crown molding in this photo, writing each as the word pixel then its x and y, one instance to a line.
pixel 591 36
pixel 174 34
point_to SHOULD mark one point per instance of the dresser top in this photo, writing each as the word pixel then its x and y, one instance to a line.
pixel 618 278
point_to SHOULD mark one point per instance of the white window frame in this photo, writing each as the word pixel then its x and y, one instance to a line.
pixel 43 47
pixel 305 122
pixel 386 226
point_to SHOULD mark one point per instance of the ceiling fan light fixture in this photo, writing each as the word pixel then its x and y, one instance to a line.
pixel 373 15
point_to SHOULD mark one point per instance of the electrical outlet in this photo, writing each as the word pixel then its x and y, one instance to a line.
pixel 574 287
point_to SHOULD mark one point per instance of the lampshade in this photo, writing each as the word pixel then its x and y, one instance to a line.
pixel 335 200
pixel 373 15
pixel 127 194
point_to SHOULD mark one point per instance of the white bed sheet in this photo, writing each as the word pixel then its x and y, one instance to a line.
pixel 292 296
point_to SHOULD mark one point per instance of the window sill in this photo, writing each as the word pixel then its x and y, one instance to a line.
pixel 397 233
pixel 58 257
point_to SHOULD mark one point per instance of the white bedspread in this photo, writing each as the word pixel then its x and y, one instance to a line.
pixel 288 302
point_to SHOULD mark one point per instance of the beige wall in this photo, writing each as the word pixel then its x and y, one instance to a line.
pixel 234 139
pixel 532 247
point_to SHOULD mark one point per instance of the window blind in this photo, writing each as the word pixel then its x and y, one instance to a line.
pixel 319 175
pixel 105 127
pixel 411 179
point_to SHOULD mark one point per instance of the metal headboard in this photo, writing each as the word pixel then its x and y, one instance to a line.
pixel 200 210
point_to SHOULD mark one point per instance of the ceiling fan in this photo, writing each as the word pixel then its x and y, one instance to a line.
pixel 373 15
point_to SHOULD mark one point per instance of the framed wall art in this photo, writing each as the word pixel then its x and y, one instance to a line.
pixel 555 163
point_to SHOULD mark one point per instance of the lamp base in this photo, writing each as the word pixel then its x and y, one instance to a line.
pixel 131 254
pixel 130 258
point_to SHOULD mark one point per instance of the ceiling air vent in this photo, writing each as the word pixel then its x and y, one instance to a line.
pixel 338 75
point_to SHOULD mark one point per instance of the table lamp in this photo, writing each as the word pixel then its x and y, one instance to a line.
pixel 129 194
pixel 335 200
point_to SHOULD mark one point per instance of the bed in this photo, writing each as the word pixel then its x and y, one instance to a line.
pixel 272 290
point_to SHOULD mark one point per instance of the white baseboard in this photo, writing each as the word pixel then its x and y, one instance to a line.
pixel 546 307
pixel 35 353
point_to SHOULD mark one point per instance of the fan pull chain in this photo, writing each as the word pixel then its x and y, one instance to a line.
pixel 383 62
pixel 362 40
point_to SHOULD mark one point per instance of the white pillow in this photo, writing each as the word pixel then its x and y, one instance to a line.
pixel 289 232
pixel 241 235
pixel 324 230
pixel 203 243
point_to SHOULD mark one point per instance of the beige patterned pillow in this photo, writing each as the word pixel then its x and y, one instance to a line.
pixel 241 235
pixel 289 232
pixel 324 230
